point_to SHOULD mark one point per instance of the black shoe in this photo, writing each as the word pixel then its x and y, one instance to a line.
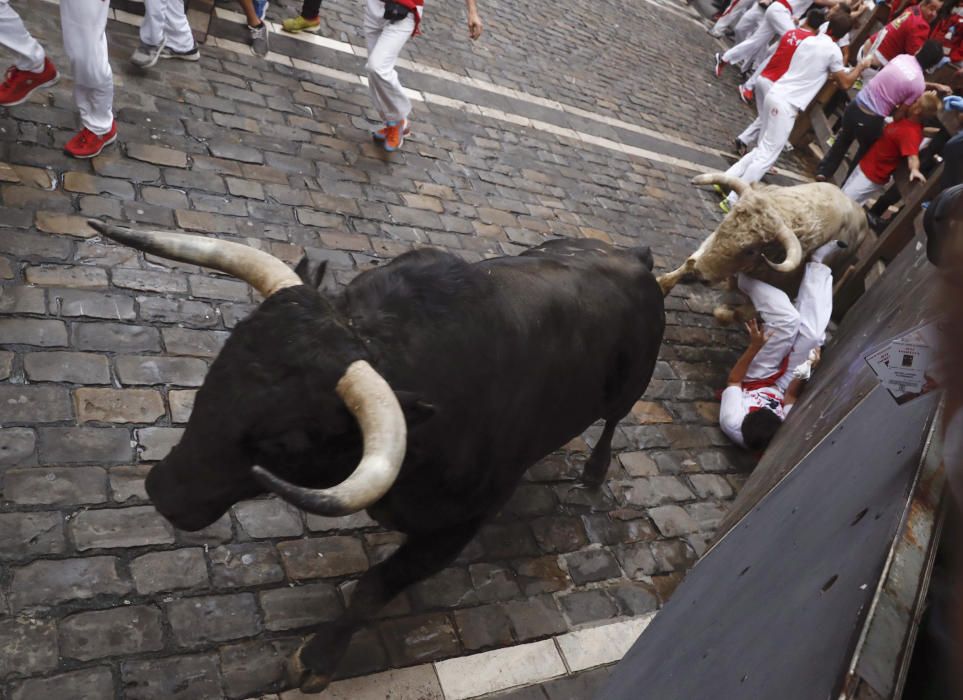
pixel 740 148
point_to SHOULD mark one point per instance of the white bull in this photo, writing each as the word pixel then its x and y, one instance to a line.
pixel 770 222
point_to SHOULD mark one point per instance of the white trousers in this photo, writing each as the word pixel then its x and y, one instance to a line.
pixel 796 329
pixel 84 24
pixel 15 37
pixel 749 21
pixel 761 66
pixel 760 91
pixel 731 16
pixel 165 21
pixel 385 40
pixel 777 119
pixel 860 188
pixel 777 20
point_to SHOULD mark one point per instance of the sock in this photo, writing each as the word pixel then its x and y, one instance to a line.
pixel 825 250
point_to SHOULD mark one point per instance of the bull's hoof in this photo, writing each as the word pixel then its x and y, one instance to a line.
pixel 315 683
pixel 301 676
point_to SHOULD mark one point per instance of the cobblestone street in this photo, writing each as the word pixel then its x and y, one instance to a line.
pixel 572 120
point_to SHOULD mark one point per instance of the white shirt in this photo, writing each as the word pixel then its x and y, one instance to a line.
pixel 815 58
pixel 736 405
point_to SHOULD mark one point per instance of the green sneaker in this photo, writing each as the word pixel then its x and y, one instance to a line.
pixel 300 24
pixel 724 205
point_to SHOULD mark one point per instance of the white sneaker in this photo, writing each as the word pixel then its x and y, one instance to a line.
pixel 145 56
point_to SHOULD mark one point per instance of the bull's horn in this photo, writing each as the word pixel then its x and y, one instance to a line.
pixel 372 402
pixel 790 242
pixel 730 181
pixel 261 270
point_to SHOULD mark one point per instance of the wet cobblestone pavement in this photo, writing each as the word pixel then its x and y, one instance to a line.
pixel 103 349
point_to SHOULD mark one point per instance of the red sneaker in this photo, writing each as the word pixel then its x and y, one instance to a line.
pixel 379 135
pixel 746 95
pixel 87 144
pixel 719 64
pixel 18 85
pixel 394 135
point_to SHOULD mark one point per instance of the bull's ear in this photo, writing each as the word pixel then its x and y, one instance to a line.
pixel 416 409
pixel 311 272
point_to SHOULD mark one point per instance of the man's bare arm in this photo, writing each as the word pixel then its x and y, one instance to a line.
pixel 475 26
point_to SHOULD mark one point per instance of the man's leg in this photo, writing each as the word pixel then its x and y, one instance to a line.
pixel 732 15
pixel 781 319
pixel 311 9
pixel 177 30
pixel 385 41
pixel 152 27
pixel 15 37
pixel 815 306
pixel 778 119
pixel 778 20
pixel 85 41
pixel 745 52
pixel 853 118
pixel 867 133
pixel 749 22
pixel 751 133
pixel 859 188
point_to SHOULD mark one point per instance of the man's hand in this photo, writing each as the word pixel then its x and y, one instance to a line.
pixel 757 335
pixel 916 175
pixel 475 26
pixel 940 88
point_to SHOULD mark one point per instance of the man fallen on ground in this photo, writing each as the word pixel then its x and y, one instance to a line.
pixel 84 27
pixel 388 24
pixel 890 93
pixel 164 33
pixel 815 58
pixel 768 378
pixel 900 139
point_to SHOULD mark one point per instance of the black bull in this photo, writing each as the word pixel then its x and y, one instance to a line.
pixel 494 364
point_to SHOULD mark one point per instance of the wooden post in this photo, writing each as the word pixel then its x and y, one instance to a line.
pixel 899 232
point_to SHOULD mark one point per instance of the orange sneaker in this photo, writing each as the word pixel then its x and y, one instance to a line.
pixel 394 135
pixel 379 135
pixel 18 85
pixel 87 144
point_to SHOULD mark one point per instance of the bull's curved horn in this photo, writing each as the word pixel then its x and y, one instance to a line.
pixel 261 270
pixel 730 181
pixel 372 402
pixel 790 242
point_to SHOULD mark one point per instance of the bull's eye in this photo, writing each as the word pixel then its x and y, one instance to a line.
pixel 749 251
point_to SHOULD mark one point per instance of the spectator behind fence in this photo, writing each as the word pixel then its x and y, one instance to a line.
pixel 85 41
pixel 904 35
pixel 899 140
pixel 889 93
pixel 164 33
